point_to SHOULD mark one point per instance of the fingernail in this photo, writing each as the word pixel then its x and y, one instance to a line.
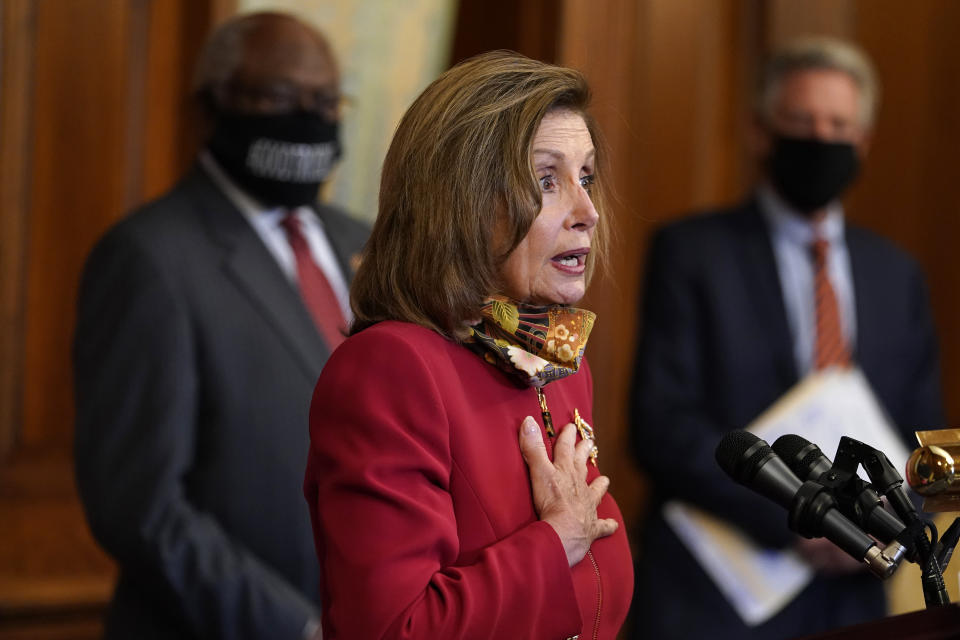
pixel 529 426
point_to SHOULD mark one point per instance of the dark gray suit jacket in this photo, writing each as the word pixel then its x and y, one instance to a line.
pixel 195 361
pixel 715 351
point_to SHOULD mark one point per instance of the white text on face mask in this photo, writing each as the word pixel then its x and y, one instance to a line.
pixel 289 161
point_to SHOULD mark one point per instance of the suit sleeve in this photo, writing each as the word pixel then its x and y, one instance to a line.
pixel 673 433
pixel 922 397
pixel 139 411
pixel 385 524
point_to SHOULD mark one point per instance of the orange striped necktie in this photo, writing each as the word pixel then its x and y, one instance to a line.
pixel 830 346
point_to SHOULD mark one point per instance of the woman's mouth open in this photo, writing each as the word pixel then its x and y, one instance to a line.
pixel 573 261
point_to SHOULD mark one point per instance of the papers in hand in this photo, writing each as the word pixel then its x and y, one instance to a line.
pixel 824 407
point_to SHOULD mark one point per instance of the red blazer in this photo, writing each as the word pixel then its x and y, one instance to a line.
pixel 422 511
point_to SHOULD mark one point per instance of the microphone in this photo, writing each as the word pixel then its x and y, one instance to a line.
pixel 858 500
pixel 751 462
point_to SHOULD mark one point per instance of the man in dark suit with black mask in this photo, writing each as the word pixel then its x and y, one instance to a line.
pixel 204 320
pixel 741 304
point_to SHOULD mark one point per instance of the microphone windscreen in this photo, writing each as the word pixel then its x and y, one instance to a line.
pixel 789 445
pixel 733 446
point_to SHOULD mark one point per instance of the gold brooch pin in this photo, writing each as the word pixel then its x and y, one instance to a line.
pixel 586 433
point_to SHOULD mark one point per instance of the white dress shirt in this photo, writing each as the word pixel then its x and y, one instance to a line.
pixel 791 234
pixel 266 222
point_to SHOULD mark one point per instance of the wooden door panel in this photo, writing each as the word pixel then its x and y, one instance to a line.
pixel 95 119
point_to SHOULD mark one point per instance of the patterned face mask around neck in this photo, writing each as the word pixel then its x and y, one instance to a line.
pixel 532 344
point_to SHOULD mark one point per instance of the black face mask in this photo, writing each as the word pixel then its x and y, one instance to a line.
pixel 281 160
pixel 808 173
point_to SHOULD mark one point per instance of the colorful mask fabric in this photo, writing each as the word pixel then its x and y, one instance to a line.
pixel 534 345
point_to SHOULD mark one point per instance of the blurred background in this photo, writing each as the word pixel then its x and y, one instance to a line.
pixel 94 119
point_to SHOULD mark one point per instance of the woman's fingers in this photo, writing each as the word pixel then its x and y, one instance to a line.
pixel 563 446
pixel 532 448
pixel 566 450
pixel 561 495
pixel 581 453
pixel 605 527
pixel 599 487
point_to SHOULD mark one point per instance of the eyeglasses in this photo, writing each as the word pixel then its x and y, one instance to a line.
pixel 283 97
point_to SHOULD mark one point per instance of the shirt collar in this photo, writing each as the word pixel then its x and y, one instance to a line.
pixel 249 206
pixel 786 222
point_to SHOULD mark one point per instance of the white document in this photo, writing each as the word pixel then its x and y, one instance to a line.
pixel 822 408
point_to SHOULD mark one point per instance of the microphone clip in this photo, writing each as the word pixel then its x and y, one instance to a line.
pixel 883 475
pixel 811 504
pixel 913 540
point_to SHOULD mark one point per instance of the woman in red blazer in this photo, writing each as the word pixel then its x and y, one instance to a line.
pixel 430 520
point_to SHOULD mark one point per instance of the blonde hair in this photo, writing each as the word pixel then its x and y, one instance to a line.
pixel 458 190
pixel 821 52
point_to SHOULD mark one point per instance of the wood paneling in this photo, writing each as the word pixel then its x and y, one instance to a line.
pixel 50 568
pixel 94 120
pixel 16 38
pixel 670 81
pixel 910 188
pixel 530 27
pixel 698 64
pixel 172 135
pixel 787 19
pixel 78 187
pixel 113 128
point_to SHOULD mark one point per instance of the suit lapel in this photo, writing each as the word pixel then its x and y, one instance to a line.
pixel 258 277
pixel 865 298
pixel 763 282
pixel 341 241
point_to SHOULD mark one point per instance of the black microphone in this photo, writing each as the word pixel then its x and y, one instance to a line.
pixel 751 462
pixel 858 500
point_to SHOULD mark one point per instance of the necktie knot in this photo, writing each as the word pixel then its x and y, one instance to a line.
pixel 819 247
pixel 291 224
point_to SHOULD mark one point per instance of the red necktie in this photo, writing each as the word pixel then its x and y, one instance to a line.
pixel 830 347
pixel 315 290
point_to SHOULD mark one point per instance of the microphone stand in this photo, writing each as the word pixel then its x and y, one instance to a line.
pixel 931 555
pixel 811 504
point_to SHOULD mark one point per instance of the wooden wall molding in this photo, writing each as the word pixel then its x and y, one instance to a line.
pixel 16 74
pixel 787 19
pixel 94 120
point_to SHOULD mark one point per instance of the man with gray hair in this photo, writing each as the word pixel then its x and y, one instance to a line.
pixel 203 322
pixel 741 304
